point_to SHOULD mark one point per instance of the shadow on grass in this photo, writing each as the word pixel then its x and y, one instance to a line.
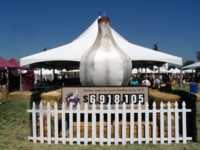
pixel 190 100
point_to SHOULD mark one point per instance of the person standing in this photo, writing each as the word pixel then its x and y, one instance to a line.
pixel 134 81
pixel 157 83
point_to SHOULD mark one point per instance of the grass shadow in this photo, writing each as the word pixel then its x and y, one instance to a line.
pixel 190 100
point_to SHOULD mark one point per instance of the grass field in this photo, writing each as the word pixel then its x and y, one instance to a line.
pixel 14 131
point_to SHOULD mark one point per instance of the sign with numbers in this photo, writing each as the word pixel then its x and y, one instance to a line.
pixel 105 95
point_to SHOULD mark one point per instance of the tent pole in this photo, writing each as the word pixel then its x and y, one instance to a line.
pixel 40 74
pixel 7 83
pixel 54 73
pixel 20 80
pixel 181 78
pixel 146 71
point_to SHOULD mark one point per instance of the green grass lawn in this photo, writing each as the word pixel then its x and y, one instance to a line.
pixel 14 131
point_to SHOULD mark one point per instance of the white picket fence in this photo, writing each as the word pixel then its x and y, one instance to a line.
pixel 123 124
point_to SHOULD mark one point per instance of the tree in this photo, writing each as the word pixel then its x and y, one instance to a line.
pixel 188 62
pixel 198 55
pixel 44 49
pixel 155 47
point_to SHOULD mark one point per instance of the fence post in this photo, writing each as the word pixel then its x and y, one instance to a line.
pixel 34 130
pixel 147 123
pixel 176 123
pixel 86 124
pixel 154 124
pixel 109 124
pixel 116 124
pixel 78 124
pixel 162 131
pixel 70 123
pixel 132 124
pixel 56 122
pixel 93 123
pixel 41 123
pixel 184 123
pixel 124 123
pixel 63 123
pixel 48 123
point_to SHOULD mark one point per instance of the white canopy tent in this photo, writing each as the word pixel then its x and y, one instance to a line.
pixel 189 71
pixel 142 70
pixel 192 66
pixel 174 71
pixel 73 51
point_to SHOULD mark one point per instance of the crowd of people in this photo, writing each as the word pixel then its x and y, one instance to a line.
pixel 3 78
pixel 57 81
pixel 145 80
pixel 10 80
pixel 136 80
pixel 160 80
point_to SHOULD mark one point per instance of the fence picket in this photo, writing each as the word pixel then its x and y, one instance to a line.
pixel 70 123
pixel 109 124
pixel 116 124
pixel 63 123
pixel 34 130
pixel 78 124
pixel 56 122
pixel 184 123
pixel 86 124
pixel 162 123
pixel 93 124
pixel 147 123
pixel 176 123
pixel 101 138
pixel 41 123
pixel 48 123
pixel 139 124
pixel 154 124
pixel 169 123
pixel 123 124
pixel 132 124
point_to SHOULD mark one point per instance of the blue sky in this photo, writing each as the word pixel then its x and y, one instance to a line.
pixel 28 26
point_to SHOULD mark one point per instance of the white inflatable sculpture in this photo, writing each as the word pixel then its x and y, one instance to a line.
pixel 105 64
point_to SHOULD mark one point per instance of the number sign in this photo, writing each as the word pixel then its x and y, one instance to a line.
pixel 105 95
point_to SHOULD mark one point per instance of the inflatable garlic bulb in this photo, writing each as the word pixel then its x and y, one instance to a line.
pixel 105 64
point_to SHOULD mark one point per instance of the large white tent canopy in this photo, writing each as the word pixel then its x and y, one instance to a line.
pixel 73 51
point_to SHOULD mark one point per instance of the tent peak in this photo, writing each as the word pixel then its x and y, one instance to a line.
pixel 104 19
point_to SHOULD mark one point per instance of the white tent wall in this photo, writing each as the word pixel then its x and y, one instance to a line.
pixel 74 50
pixel 48 74
pixel 163 69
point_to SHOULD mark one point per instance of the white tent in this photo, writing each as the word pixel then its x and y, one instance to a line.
pixel 142 70
pixel 192 66
pixel 74 50
pixel 174 71
pixel 189 71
